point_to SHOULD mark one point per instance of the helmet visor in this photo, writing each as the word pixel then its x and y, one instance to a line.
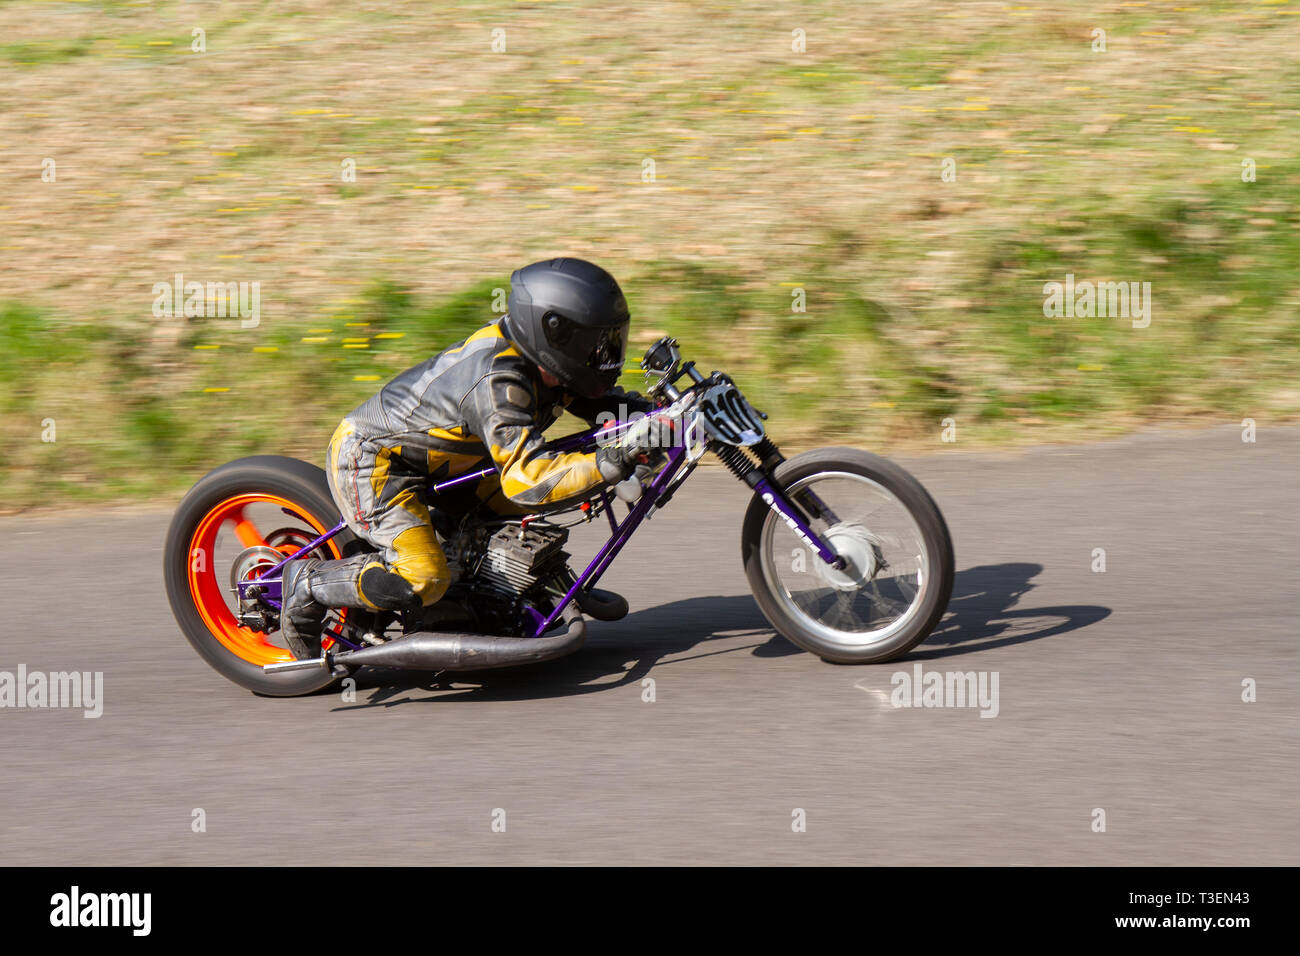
pixel 602 348
pixel 610 349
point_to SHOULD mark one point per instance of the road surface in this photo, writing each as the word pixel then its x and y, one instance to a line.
pixel 1118 691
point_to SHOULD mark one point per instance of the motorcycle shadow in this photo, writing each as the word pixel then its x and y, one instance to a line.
pixel 982 615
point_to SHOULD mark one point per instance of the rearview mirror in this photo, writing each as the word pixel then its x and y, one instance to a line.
pixel 663 356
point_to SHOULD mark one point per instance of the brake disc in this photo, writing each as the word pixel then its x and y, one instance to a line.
pixel 251 562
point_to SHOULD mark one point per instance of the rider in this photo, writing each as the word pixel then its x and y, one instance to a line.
pixel 483 401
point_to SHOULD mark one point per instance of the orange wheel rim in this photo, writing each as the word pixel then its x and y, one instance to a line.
pixel 205 590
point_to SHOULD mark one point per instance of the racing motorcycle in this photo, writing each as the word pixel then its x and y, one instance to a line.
pixel 846 553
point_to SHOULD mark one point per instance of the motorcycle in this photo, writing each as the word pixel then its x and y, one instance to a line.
pixel 846 554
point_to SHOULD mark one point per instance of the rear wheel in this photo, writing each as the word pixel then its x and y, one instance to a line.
pixel 217 539
pixel 898 563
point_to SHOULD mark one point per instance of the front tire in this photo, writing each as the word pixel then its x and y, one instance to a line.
pixel 844 616
pixel 292 491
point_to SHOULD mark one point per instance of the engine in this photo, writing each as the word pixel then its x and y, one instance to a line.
pixel 501 570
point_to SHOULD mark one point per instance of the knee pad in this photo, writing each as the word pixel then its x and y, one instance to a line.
pixel 418 560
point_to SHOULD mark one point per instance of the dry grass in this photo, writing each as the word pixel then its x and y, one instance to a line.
pixel 772 169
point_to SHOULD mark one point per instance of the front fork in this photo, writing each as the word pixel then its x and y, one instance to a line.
pixel 762 478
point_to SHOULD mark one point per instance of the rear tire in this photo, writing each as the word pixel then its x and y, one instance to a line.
pixel 933 599
pixel 297 482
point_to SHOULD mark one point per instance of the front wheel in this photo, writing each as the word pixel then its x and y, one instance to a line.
pixel 898 564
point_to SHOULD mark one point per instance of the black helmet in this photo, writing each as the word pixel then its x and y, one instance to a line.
pixel 570 317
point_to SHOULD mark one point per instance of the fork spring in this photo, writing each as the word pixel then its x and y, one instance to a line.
pixel 737 462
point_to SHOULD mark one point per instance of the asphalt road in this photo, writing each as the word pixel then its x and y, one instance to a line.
pixel 1119 690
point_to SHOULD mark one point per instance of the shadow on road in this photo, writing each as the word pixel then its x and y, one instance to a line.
pixel 981 615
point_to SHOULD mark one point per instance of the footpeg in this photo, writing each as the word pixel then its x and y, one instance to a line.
pixel 601 604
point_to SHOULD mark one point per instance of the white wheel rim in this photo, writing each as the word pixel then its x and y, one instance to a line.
pixel 850 543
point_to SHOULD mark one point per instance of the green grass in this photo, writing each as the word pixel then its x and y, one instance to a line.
pixel 136 418
pixel 37 52
pixel 142 418
pixel 775 170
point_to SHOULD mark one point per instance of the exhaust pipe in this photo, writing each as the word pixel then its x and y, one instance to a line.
pixel 448 651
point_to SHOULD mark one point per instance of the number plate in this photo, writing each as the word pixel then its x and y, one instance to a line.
pixel 728 417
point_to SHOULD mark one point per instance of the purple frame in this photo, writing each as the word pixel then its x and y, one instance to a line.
pixel 620 532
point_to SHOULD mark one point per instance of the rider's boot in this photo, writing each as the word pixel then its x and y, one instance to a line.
pixel 310 588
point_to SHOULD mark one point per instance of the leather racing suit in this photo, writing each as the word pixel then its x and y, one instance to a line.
pixel 476 404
